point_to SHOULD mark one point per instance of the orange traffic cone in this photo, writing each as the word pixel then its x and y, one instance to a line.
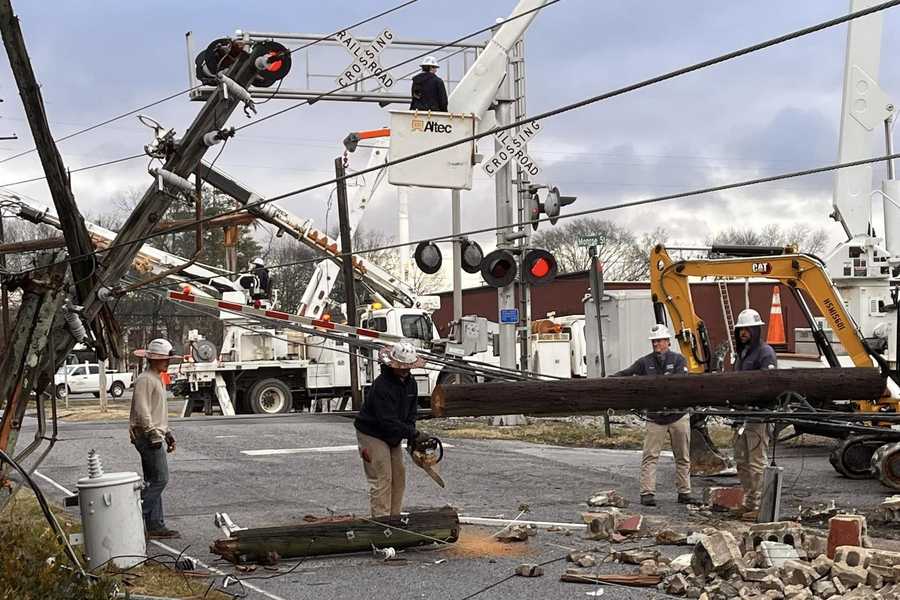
pixel 775 335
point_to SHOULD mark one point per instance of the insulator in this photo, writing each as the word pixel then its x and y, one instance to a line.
pixel 95 465
pixel 73 322
pixel 168 178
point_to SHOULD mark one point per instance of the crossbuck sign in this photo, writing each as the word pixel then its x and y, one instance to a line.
pixel 365 59
pixel 514 150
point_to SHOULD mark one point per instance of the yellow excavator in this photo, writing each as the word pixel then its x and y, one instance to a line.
pixel 805 276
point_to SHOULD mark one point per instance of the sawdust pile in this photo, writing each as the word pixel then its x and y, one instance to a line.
pixel 478 543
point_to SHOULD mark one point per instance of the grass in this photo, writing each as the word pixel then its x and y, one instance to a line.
pixel 33 565
pixel 558 432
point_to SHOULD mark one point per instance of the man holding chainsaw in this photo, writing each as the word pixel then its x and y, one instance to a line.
pixel 387 417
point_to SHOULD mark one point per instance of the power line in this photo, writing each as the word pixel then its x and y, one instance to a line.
pixel 591 211
pixel 567 108
pixel 86 168
pixel 190 89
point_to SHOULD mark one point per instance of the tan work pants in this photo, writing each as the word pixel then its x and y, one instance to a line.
pixel 386 474
pixel 679 434
pixel 750 454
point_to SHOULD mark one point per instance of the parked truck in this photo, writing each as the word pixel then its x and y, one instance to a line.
pixel 85 378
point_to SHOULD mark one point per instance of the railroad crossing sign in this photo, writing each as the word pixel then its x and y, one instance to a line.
pixel 365 59
pixel 514 150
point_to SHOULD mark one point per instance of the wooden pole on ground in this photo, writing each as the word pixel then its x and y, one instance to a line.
pixel 596 396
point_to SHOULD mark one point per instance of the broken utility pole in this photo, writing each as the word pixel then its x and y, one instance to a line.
pixel 347 270
pixel 338 535
pixel 596 396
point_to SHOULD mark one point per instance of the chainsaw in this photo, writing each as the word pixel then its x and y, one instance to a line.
pixel 427 455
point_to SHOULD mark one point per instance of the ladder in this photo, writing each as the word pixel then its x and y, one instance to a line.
pixel 729 318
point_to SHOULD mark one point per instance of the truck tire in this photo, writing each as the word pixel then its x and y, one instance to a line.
pixel 61 391
pixel 117 389
pixel 270 397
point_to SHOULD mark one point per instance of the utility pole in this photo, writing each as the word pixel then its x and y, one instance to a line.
pixel 506 296
pixel 4 296
pixel 347 269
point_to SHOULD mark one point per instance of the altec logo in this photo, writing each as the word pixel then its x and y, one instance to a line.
pixel 431 126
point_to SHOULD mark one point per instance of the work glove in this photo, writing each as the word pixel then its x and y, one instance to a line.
pixel 420 437
pixel 170 442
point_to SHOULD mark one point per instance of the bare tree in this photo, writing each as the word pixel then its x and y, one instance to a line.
pixel 806 238
pixel 623 255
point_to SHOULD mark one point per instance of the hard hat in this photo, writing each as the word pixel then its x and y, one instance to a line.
pixel 659 332
pixel 158 349
pixel 429 61
pixel 748 318
pixel 401 355
pixel 258 262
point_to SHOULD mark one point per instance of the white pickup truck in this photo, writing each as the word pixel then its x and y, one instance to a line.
pixel 85 378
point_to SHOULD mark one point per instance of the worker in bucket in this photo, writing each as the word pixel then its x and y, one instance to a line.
pixel 428 91
pixel 751 439
pixel 387 417
pixel 148 427
pixel 262 275
pixel 677 427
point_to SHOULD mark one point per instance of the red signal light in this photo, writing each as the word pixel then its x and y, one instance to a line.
pixel 540 267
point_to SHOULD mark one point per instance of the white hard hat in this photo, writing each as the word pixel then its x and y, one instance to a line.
pixel 429 61
pixel 401 355
pixel 748 318
pixel 659 332
pixel 258 261
pixel 157 349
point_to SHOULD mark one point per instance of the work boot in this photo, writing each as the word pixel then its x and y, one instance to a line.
pixel 687 498
pixel 648 500
pixel 164 533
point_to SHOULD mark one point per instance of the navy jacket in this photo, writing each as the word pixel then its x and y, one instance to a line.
pixel 428 93
pixel 389 410
pixel 667 363
pixel 755 355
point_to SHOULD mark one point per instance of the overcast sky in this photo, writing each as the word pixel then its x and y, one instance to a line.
pixel 773 111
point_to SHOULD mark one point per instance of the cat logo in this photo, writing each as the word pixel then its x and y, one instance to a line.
pixel 418 124
pixel 761 267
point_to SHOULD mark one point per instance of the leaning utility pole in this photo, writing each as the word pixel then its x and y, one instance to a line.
pixel 347 269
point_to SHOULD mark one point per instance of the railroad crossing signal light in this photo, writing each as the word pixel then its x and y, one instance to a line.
pixel 539 267
pixel 273 63
pixel 428 258
pixel 472 255
pixel 499 268
pixel 551 205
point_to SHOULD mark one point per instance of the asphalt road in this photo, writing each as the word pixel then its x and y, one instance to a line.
pixel 210 472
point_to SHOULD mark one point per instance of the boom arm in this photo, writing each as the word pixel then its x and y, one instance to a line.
pixel 670 288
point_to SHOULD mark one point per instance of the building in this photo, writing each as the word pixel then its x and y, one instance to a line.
pixel 565 296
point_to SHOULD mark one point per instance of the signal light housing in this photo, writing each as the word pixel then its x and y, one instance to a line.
pixel 539 267
pixel 273 63
pixel 499 268
pixel 472 255
pixel 428 258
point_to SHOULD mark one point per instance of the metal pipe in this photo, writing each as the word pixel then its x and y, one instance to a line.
pixel 457 259
pixel 330 41
pixel 889 144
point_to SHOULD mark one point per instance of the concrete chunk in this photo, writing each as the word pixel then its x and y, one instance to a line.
pixel 529 570
pixel 824 588
pixel 607 498
pixel 716 553
pixel 676 585
pixel 786 532
pixel 849 576
pixel 822 564
pixel 798 573
pixel 775 554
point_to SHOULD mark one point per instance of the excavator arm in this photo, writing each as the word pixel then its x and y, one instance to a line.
pixel 670 291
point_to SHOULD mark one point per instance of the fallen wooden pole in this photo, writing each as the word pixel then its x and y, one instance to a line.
pixel 339 535
pixel 597 396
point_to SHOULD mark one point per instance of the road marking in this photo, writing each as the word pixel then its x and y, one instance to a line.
pixel 54 484
pixel 280 451
pixel 219 437
pixel 249 586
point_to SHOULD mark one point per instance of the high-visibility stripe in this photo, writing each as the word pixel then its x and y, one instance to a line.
pixel 277 314
pixel 322 324
pixel 368 332
pixel 231 306
pixel 183 296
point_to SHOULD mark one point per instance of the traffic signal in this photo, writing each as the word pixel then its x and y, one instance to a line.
pixel 539 267
pixel 472 255
pixel 428 258
pixel 551 205
pixel 499 268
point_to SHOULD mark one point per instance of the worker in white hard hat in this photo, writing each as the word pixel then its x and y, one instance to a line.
pixel 428 91
pixel 751 439
pixel 263 292
pixel 677 427
pixel 387 417
pixel 148 428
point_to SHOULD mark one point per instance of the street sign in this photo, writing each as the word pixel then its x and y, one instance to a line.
pixel 514 150
pixel 586 241
pixel 365 59
pixel 509 316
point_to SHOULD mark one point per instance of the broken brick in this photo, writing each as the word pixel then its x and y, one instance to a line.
pixel 716 553
pixel 676 585
pixel 725 498
pixel 845 530
pixel 631 524
pixel 799 573
pixel 670 537
pixel 607 498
